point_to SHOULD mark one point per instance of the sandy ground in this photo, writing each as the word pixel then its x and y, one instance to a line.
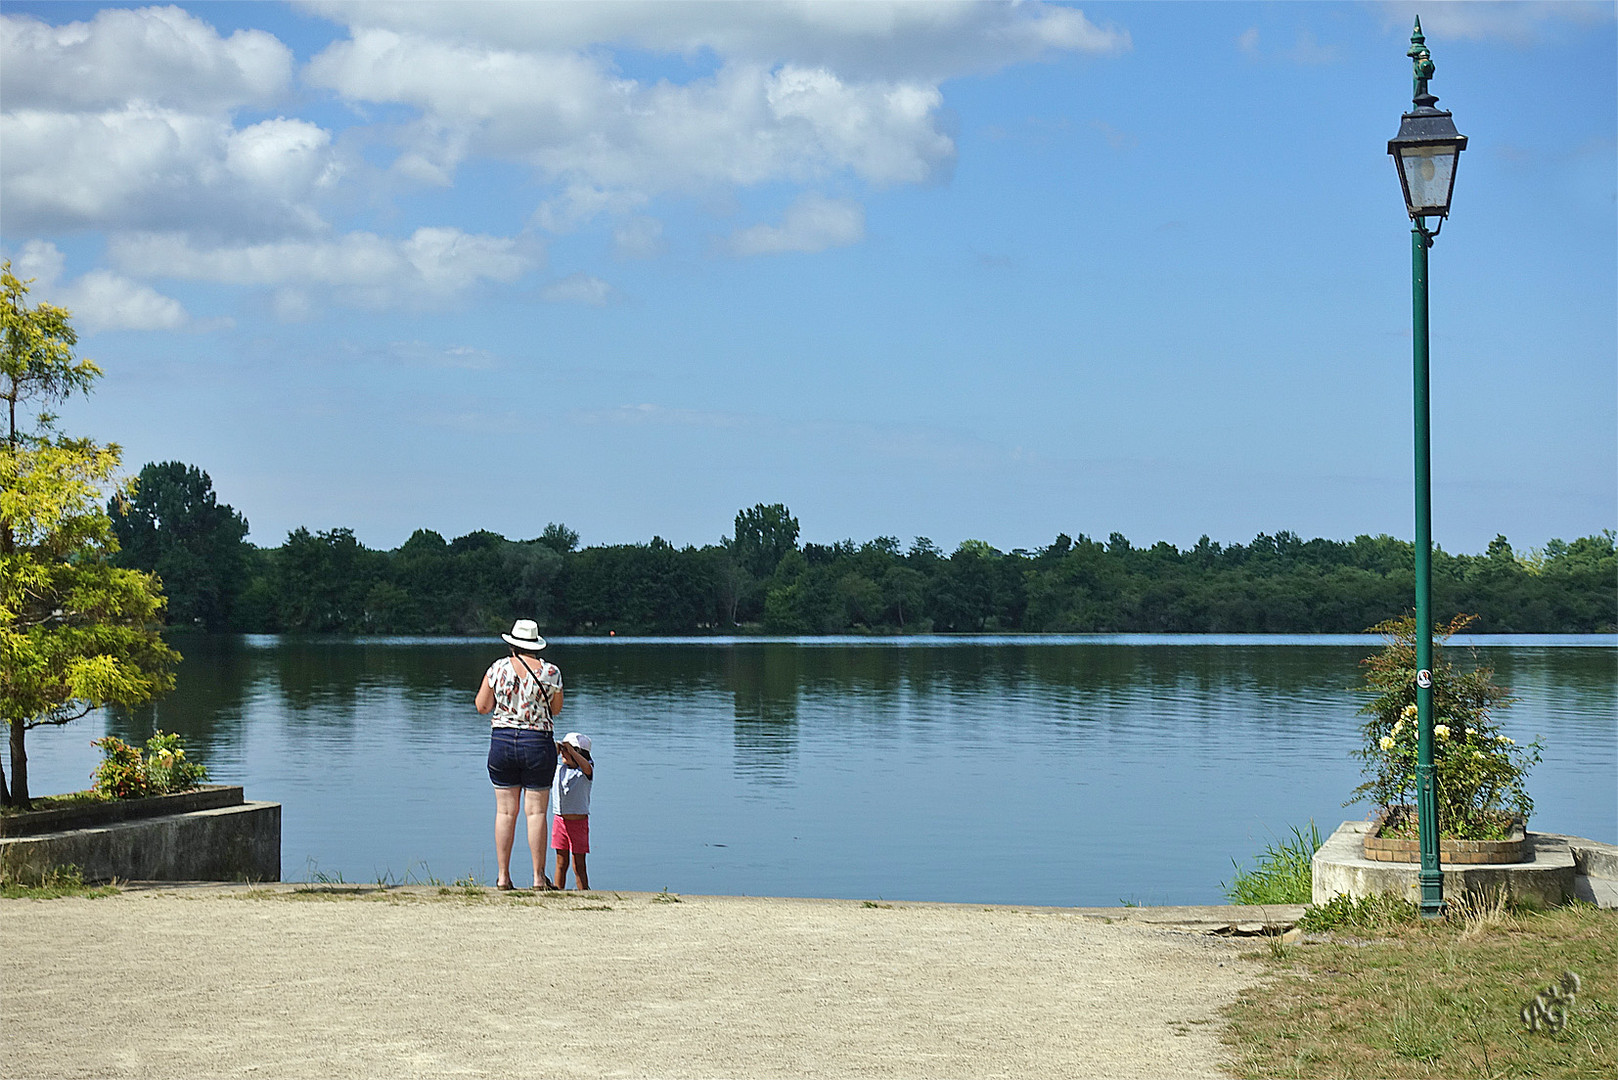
pixel 406 983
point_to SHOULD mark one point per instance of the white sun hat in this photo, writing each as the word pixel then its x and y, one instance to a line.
pixel 525 635
pixel 573 738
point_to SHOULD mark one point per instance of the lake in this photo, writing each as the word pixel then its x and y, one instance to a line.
pixel 1051 770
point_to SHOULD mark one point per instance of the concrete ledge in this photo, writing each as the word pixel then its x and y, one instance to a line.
pixel 1591 857
pixel 229 843
pixel 1545 879
pixel 1596 871
pixel 91 815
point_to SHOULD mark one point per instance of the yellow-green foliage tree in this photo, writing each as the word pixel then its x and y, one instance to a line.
pixel 76 632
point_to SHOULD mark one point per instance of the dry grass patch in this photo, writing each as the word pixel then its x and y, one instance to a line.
pixel 54 884
pixel 1434 999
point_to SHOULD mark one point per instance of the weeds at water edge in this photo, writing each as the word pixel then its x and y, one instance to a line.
pixel 1282 873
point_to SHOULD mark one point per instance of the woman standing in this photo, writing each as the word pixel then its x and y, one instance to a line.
pixel 525 693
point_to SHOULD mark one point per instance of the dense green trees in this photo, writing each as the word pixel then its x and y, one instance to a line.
pixel 174 527
pixel 760 578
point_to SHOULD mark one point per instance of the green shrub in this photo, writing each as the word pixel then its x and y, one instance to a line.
pixel 125 773
pixel 1479 773
pixel 122 772
pixel 1367 914
pixel 166 766
pixel 1281 874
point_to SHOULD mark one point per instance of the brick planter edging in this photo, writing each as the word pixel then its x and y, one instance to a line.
pixel 1513 849
pixel 93 815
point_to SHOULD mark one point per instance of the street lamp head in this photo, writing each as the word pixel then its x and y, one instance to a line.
pixel 1427 147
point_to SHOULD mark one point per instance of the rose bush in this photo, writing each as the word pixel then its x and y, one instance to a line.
pixel 1479 772
pixel 124 773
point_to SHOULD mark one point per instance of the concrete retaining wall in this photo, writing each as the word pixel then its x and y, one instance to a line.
pixel 1545 879
pixel 230 843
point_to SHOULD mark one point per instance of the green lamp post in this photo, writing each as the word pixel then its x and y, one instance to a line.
pixel 1425 151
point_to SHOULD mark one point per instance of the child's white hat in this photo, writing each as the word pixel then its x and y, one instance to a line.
pixel 573 738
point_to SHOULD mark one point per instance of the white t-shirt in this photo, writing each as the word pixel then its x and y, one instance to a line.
pixel 518 702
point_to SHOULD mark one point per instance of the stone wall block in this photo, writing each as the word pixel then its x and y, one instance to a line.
pixel 230 843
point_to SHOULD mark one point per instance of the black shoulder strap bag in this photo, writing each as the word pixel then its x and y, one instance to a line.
pixel 544 695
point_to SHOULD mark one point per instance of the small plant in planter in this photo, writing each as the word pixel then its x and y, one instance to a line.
pixel 1478 771
pixel 126 773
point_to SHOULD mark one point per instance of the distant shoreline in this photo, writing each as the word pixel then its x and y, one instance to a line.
pixel 1605 640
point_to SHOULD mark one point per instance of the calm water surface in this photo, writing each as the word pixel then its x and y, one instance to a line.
pixel 1079 771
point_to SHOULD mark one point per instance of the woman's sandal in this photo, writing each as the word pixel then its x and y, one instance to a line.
pixel 546 885
pixel 505 886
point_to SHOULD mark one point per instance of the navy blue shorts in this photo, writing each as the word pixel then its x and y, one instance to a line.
pixel 521 757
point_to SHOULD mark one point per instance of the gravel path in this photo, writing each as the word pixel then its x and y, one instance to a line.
pixel 423 982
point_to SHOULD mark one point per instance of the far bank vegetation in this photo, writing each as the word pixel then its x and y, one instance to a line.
pixel 760 578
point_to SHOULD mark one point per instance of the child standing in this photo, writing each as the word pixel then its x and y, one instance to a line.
pixel 570 795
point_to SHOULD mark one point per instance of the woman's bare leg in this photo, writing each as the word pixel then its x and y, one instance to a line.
pixel 536 802
pixel 505 829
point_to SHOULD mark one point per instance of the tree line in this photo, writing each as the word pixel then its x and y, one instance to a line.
pixel 761 578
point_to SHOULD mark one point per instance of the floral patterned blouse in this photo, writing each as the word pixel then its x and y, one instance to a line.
pixel 517 699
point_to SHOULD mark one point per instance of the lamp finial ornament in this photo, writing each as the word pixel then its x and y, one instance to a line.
pixel 1422 60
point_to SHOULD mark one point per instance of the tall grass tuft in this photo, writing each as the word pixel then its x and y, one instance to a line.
pixel 1281 874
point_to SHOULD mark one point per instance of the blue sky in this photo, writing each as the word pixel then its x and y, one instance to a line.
pixel 952 270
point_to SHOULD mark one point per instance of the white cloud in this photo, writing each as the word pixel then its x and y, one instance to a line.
pixel 579 204
pixel 281 156
pixel 796 92
pixel 579 288
pixel 1306 49
pixel 648 415
pixel 146 167
pixel 103 300
pixel 860 38
pixel 86 169
pixel 1116 138
pixel 41 261
pixel 131 124
pixel 431 265
pixel 126 122
pixel 292 305
pixel 813 223
pixel 100 300
pixel 1518 22
pixel 161 56
pixel 418 354
pixel 638 238
pixel 612 140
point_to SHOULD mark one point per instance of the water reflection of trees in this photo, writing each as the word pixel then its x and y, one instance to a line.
pixel 225 681
pixel 765 682
pixel 208 703
pixel 872 691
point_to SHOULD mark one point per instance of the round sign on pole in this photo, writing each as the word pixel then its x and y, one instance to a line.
pixel 1424 679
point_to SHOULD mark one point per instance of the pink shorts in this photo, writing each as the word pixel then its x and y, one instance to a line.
pixel 571 835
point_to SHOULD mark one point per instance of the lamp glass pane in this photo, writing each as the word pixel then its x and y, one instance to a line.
pixel 1428 172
